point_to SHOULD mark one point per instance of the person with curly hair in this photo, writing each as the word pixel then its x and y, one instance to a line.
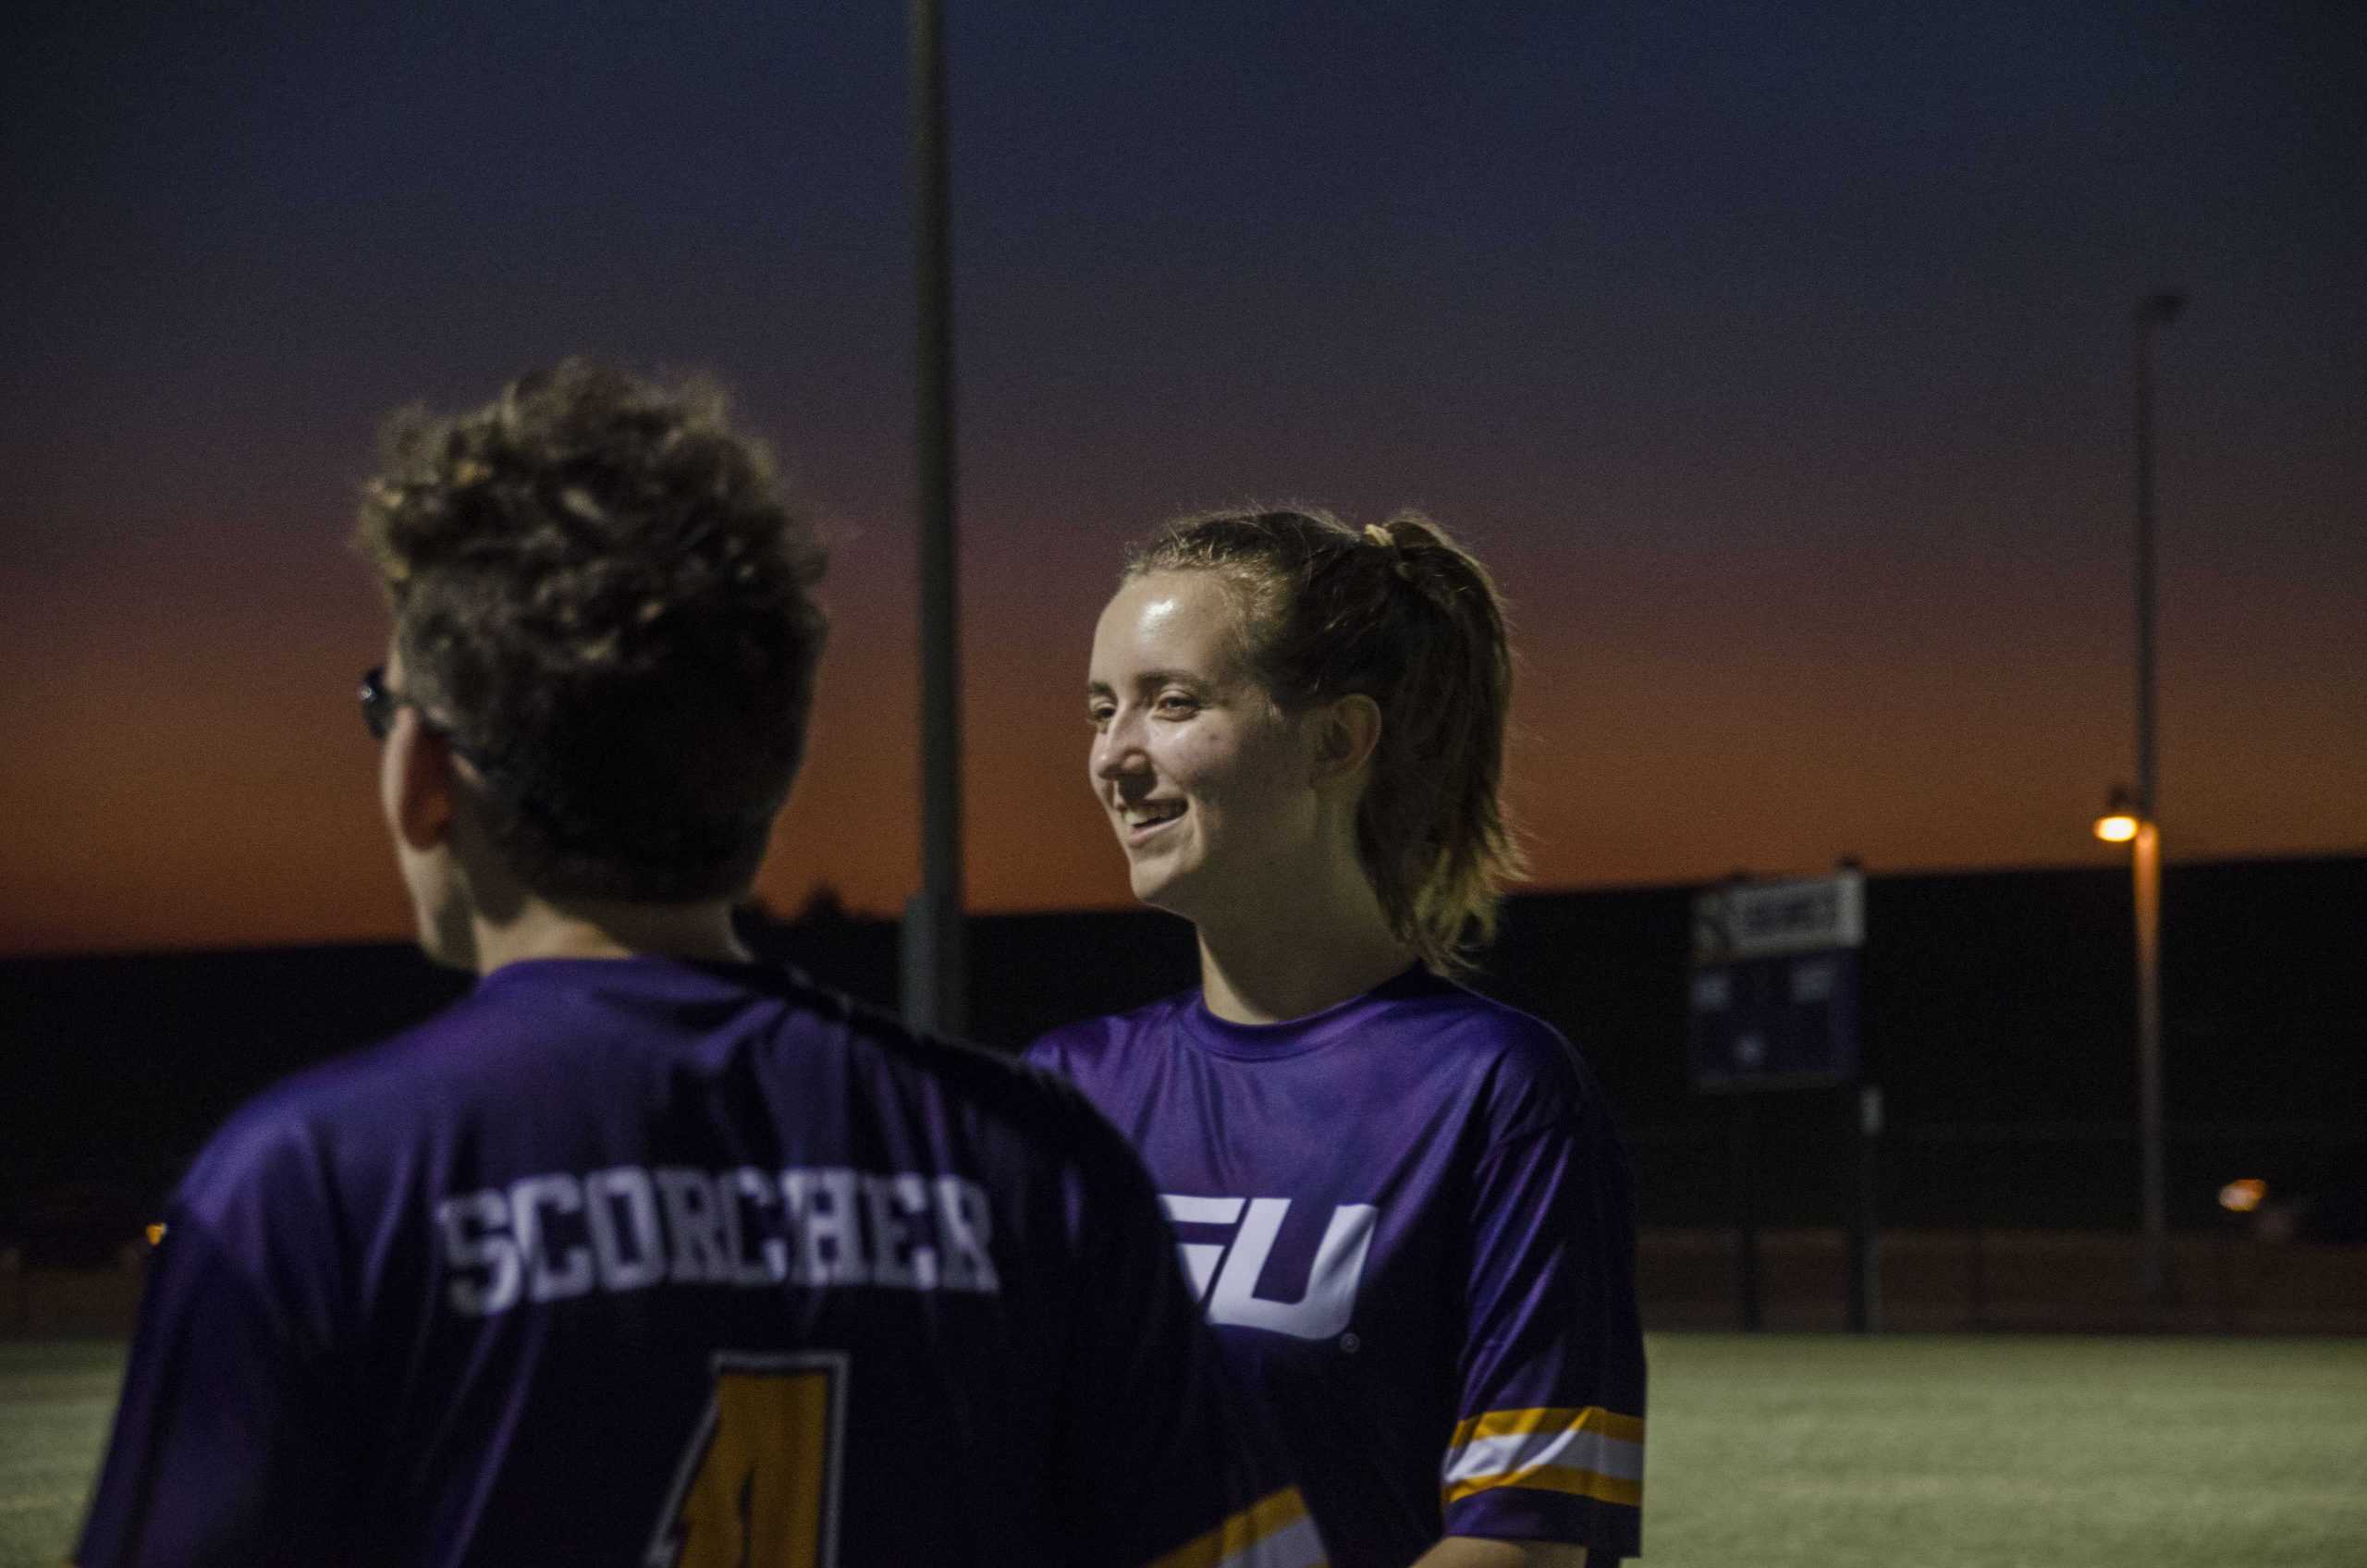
pixel 644 1251
pixel 1406 1206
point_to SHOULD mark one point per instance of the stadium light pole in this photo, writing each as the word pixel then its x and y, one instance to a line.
pixel 2154 312
pixel 932 961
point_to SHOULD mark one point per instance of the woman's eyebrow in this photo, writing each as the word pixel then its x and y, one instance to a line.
pixel 1149 678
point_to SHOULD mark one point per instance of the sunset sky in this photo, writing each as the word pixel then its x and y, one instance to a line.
pixel 1777 359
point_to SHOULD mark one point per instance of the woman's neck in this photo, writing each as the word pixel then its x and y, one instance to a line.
pixel 1280 963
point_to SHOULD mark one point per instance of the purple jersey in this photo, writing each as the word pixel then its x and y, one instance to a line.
pixel 642 1262
pixel 1408 1218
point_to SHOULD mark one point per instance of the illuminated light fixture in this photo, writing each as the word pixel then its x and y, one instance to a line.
pixel 2242 1197
pixel 2120 822
pixel 155 1234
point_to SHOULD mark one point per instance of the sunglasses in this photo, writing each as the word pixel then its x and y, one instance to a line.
pixel 379 701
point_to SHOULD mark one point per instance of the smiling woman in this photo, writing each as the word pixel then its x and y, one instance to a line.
pixel 1193 759
pixel 1404 1206
pixel 1380 657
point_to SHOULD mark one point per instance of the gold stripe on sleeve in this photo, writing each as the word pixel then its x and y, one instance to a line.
pixel 1528 1423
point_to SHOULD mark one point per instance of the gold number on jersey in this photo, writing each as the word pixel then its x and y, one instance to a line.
pixel 759 1482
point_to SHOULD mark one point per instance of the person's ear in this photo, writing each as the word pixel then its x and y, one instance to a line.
pixel 1346 732
pixel 422 783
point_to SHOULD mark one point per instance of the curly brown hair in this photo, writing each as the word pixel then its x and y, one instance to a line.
pixel 601 594
pixel 1400 613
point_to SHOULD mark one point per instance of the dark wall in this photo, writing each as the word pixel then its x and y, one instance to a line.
pixel 1997 1014
pixel 113 1070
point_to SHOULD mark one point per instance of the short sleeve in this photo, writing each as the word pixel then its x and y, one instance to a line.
pixel 1548 1444
pixel 1165 1462
pixel 227 1443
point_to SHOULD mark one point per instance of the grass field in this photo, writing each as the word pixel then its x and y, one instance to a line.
pixel 1784 1452
pixel 54 1399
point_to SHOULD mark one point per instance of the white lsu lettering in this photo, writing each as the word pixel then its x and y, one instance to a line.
pixel 551 1236
pixel 1226 1275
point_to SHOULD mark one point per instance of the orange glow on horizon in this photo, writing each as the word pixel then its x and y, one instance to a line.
pixel 185 769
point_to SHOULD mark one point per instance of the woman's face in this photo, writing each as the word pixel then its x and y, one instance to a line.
pixel 1207 783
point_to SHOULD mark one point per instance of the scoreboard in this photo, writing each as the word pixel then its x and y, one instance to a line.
pixel 1774 983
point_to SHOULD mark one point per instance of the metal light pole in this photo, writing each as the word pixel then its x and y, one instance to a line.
pixel 933 969
pixel 2153 312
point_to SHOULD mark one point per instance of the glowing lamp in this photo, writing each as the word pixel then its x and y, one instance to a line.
pixel 2120 822
pixel 2242 1197
pixel 155 1234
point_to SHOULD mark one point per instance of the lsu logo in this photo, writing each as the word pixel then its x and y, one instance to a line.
pixel 1226 1274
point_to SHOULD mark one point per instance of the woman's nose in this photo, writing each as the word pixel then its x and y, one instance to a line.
pixel 1117 750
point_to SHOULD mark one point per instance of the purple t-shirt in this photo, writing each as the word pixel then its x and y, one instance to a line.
pixel 644 1261
pixel 1409 1218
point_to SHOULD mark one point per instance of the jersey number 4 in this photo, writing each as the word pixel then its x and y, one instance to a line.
pixel 758 1485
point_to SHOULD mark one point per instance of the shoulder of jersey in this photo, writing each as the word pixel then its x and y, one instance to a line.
pixel 421 1060
pixel 984 1082
pixel 1526 1058
pixel 353 1092
pixel 1088 1040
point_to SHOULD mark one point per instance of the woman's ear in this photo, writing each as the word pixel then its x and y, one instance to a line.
pixel 1347 731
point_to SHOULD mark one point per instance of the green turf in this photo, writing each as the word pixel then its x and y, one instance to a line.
pixel 1952 1452
pixel 1785 1451
pixel 56 1397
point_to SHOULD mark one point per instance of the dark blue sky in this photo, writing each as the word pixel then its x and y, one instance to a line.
pixel 1778 358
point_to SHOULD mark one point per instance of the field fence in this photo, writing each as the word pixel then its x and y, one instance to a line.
pixel 2030 1225
pixel 1980 1226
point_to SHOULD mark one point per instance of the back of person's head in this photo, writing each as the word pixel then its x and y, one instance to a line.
pixel 601 594
pixel 1400 613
